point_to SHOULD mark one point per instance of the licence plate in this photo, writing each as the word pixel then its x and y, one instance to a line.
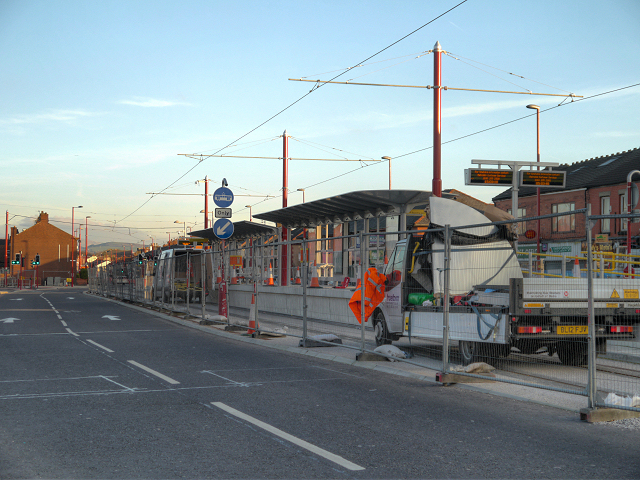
pixel 573 329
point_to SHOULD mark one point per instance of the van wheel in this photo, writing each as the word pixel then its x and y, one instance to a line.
pixel 467 352
pixel 381 330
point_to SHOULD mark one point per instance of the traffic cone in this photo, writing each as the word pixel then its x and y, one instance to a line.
pixel 270 282
pixel 219 277
pixel 252 316
pixel 234 277
pixel 576 268
pixel 314 277
pixel 298 279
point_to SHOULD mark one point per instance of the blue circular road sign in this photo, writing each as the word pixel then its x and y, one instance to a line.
pixel 223 197
pixel 223 228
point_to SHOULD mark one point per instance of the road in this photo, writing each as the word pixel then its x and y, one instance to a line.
pixel 93 389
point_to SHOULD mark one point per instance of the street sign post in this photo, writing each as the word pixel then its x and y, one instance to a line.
pixel 223 228
pixel 223 197
pixel 223 212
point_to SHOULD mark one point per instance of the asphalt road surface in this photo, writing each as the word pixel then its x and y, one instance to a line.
pixel 93 389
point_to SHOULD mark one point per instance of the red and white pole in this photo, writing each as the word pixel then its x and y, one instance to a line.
pixel 437 124
pixel 285 191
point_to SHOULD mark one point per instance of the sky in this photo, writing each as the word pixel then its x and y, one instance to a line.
pixel 104 101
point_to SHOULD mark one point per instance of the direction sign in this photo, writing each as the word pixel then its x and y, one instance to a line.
pixel 223 197
pixel 223 228
pixel 223 213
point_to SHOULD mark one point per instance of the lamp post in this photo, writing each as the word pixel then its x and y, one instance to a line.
pixel 169 236
pixel 302 190
pixel 249 207
pixel 389 160
pixel 537 109
pixel 86 234
pixel 184 228
pixel 73 245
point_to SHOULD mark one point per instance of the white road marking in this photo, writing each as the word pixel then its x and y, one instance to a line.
pixel 64 324
pixel 111 317
pixel 131 390
pixel 153 372
pixel 290 438
pixel 72 333
pixel 99 346
pixel 60 316
pixel 9 320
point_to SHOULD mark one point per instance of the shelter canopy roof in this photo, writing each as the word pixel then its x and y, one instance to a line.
pixel 347 207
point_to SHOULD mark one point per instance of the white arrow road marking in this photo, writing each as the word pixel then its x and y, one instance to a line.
pixel 111 317
pixel 220 230
pixel 9 320
pixel 290 438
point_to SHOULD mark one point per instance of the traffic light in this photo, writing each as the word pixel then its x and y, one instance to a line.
pixel 36 261
pixel 140 259
pixel 17 260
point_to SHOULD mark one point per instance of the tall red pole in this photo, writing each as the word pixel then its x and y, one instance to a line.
pixel 6 242
pixel 285 191
pixel 206 202
pixel 86 230
pixel 437 116
pixel 73 247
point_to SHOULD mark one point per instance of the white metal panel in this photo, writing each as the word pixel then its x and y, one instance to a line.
pixel 483 264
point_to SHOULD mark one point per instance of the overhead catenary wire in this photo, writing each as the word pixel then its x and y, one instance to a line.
pixel 300 99
pixel 453 55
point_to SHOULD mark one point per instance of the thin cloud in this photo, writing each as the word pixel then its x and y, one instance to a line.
pixel 150 102
pixel 67 116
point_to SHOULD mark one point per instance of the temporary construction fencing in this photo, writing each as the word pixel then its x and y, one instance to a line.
pixel 455 295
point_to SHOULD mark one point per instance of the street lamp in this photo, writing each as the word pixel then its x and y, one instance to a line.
pixel 537 109
pixel 302 190
pixel 184 227
pixel 389 160
pixel 73 246
pixel 86 234
pixel 249 207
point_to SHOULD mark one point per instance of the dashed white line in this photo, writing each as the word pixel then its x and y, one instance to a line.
pixel 72 333
pixel 153 372
pixel 64 324
pixel 100 346
pixel 290 438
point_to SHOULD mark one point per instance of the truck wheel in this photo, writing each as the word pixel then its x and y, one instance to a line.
pixel 381 330
pixel 573 353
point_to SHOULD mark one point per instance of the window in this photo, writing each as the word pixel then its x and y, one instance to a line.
pixel 521 226
pixel 623 209
pixel 564 223
pixel 605 209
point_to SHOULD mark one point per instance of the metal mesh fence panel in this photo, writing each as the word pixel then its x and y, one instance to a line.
pixel 514 315
pixel 616 310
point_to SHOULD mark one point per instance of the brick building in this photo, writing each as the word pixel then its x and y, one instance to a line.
pixel 600 182
pixel 51 243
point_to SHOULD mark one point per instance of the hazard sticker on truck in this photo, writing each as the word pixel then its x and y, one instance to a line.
pixel 544 294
